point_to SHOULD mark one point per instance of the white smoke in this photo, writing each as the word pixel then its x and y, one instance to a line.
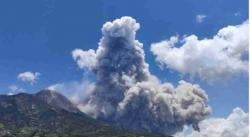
pixel 74 90
pixel 84 59
pixel 125 92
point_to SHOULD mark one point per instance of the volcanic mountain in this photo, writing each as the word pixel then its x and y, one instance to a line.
pixel 50 114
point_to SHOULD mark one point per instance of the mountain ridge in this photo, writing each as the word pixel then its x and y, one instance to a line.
pixel 47 114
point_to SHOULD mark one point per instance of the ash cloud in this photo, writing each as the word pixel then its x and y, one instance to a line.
pixel 128 95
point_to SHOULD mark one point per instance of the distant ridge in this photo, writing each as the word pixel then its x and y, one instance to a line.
pixel 50 114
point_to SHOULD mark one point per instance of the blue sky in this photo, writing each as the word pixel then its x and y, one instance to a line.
pixel 39 36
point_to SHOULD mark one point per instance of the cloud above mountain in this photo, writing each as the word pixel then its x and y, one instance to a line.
pixel 14 89
pixel 218 58
pixel 125 92
pixel 29 77
pixel 235 125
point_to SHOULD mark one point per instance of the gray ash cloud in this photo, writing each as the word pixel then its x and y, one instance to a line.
pixel 127 94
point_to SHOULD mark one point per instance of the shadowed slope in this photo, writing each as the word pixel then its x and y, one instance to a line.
pixel 49 113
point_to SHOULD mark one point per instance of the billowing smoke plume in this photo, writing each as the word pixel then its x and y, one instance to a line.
pixel 125 92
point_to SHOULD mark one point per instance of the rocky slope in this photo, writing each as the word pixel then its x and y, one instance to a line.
pixel 50 114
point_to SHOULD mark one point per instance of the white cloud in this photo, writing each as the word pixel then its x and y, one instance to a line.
pixel 29 77
pixel 220 57
pixel 200 18
pixel 235 125
pixel 84 59
pixel 14 89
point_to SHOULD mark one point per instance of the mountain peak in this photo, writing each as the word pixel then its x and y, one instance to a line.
pixel 56 100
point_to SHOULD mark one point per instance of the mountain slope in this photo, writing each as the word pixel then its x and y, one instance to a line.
pixel 56 100
pixel 50 114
